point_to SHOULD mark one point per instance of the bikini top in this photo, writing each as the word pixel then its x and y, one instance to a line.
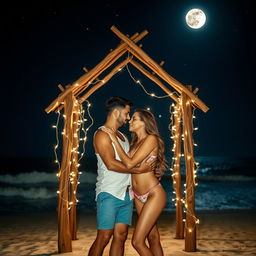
pixel 149 158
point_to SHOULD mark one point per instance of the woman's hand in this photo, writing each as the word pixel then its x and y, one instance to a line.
pixel 111 133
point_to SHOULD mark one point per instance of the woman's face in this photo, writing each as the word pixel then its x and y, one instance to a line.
pixel 136 123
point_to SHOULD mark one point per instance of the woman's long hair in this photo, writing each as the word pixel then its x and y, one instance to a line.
pixel 151 128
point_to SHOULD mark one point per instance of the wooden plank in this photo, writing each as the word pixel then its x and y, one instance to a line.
pixel 61 88
pixel 142 56
pixel 105 79
pixel 93 73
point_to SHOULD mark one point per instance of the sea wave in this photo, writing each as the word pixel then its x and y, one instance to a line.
pixel 224 178
pixel 216 178
pixel 36 177
pixel 31 193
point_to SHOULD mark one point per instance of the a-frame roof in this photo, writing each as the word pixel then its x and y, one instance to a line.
pixel 127 44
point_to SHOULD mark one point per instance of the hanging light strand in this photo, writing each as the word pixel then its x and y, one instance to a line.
pixel 143 87
pixel 77 133
pixel 57 140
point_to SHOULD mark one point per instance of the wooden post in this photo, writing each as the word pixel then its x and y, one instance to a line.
pixel 190 230
pixel 176 171
pixel 74 173
pixel 64 236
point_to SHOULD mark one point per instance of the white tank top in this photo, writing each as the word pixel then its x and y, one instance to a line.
pixel 113 182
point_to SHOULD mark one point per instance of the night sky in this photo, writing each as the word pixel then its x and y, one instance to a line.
pixel 49 44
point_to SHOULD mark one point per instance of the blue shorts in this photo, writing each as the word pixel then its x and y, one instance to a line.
pixel 111 210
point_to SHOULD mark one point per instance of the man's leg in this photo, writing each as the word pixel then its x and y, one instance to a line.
pixel 123 220
pixel 101 241
pixel 106 212
pixel 119 238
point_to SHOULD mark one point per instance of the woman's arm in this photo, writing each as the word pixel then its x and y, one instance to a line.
pixel 144 150
pixel 103 147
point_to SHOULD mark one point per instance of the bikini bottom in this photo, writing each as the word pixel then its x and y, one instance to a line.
pixel 143 198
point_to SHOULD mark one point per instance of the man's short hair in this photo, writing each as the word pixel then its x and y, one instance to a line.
pixel 116 102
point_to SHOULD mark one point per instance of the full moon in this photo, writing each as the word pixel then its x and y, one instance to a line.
pixel 195 18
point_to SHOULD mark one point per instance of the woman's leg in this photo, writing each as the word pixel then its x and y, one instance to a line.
pixel 154 236
pixel 154 242
pixel 147 219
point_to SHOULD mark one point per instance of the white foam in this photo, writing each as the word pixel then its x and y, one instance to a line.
pixel 36 177
pixel 31 193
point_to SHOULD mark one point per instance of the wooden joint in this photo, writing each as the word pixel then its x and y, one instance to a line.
pixel 85 70
pixel 196 90
pixel 61 87
pixel 161 64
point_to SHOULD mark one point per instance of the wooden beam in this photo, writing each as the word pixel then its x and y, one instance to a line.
pixel 190 230
pixel 141 55
pixel 154 79
pixel 105 79
pixel 94 72
pixel 64 235
pixel 61 87
pixel 84 87
pixel 196 90
pixel 79 90
pixel 86 71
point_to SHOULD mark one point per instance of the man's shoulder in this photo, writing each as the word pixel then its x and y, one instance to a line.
pixel 100 133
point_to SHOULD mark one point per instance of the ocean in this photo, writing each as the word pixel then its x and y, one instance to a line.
pixel 224 183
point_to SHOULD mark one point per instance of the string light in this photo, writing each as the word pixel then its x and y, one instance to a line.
pixel 73 177
pixel 152 94
pixel 175 111
pixel 175 162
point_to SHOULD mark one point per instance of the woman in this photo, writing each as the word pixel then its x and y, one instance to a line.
pixel 150 197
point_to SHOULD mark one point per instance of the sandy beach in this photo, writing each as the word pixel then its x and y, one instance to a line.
pixel 219 233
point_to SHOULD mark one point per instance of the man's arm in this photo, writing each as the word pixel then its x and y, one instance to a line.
pixel 148 145
pixel 103 146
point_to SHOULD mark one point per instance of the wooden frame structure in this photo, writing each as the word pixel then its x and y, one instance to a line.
pixel 71 99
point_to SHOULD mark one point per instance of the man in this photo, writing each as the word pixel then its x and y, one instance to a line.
pixel 114 201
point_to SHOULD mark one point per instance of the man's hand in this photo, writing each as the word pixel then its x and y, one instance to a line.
pixel 147 166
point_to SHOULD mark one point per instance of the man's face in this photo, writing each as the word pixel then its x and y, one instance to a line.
pixel 124 115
